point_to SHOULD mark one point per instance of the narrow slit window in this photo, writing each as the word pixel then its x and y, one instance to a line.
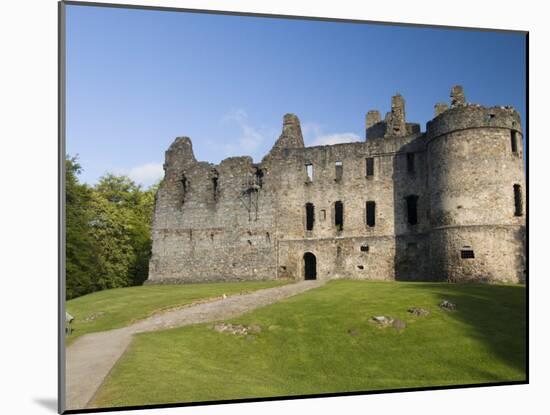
pixel 371 213
pixel 518 205
pixel 323 214
pixel 310 216
pixel 514 141
pixel 339 215
pixel 339 170
pixel 410 163
pixel 370 167
pixel 309 171
pixel 184 186
pixel 259 177
pixel 412 209
pixel 215 187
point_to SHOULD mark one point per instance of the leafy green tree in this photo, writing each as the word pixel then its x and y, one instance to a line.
pixel 81 254
pixel 110 232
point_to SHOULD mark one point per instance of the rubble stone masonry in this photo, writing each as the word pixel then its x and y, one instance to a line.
pixel 448 204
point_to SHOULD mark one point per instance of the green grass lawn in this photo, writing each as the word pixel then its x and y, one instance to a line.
pixel 305 346
pixel 120 307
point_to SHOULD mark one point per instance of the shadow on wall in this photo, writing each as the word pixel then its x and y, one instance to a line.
pixel 521 255
pixel 410 204
pixel 492 314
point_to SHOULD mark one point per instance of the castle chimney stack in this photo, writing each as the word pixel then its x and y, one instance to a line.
pixel 373 117
pixel 457 96
pixel 396 118
pixel 291 137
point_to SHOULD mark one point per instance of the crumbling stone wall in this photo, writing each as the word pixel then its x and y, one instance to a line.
pixel 244 221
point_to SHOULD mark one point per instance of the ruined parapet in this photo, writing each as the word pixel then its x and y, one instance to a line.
pixel 440 108
pixel 457 96
pixel 473 116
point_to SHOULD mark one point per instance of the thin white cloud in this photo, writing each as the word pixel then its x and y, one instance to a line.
pixel 251 138
pixel 315 136
pixel 146 174
pixel 336 138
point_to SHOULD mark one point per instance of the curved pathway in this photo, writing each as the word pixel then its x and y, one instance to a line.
pixel 90 358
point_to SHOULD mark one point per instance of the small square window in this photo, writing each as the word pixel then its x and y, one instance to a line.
pixel 467 254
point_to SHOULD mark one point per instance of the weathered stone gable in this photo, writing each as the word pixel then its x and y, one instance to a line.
pixel 436 198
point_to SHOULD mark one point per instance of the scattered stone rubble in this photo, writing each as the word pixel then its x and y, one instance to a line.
pixel 386 321
pixel 94 316
pixel 237 329
pixel 447 305
pixel 419 312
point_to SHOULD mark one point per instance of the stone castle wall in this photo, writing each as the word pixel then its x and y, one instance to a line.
pixel 244 221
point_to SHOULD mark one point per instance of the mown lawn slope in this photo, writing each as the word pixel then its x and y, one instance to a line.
pixel 109 309
pixel 322 341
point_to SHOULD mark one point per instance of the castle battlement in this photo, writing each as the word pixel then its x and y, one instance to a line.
pixel 446 204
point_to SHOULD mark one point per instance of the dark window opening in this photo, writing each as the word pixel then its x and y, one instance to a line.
pixel 339 215
pixel 267 237
pixel 410 163
pixel 339 170
pixel 364 248
pixel 370 167
pixel 184 185
pixel 310 216
pixel 309 171
pixel 215 187
pixel 371 213
pixel 467 253
pixel 259 177
pixel 310 266
pixel 412 210
pixel 411 249
pixel 517 201
pixel 360 267
pixel 514 141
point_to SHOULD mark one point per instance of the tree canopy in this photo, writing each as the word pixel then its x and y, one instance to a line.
pixel 108 232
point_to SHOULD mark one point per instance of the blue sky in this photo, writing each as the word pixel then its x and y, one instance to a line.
pixel 136 79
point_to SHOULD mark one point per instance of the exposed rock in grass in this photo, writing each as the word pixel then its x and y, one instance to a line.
pixel 94 316
pixel 236 329
pixel 419 312
pixel 447 305
pixel 382 320
pixel 398 324
pixel 255 328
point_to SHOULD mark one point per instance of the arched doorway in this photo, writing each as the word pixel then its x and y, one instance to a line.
pixel 310 266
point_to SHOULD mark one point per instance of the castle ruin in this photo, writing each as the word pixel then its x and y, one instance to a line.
pixel 447 204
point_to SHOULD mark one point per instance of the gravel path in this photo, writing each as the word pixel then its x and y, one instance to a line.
pixel 90 358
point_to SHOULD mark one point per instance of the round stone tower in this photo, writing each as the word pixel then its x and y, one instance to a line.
pixel 476 182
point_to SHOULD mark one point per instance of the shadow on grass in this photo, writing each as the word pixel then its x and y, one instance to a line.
pixel 494 315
